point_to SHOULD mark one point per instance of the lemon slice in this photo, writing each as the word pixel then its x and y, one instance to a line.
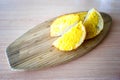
pixel 73 38
pixel 65 22
pixel 93 23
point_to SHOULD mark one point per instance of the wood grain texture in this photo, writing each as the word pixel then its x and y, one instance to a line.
pixel 18 16
pixel 34 49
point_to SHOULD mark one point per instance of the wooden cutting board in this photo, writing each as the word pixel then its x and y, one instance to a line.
pixel 34 50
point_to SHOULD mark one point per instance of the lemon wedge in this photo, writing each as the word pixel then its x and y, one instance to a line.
pixel 72 39
pixel 65 22
pixel 74 28
pixel 93 23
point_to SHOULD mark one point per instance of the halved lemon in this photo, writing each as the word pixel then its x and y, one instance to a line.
pixel 73 38
pixel 93 23
pixel 63 23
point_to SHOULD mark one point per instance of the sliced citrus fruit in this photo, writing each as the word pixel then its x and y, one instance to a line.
pixel 93 23
pixel 63 23
pixel 73 38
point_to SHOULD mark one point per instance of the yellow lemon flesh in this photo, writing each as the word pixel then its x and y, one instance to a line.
pixel 63 23
pixel 93 23
pixel 73 38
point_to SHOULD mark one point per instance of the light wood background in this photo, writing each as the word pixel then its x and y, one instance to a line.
pixel 18 16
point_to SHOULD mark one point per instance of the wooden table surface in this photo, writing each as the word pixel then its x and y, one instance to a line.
pixel 18 16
